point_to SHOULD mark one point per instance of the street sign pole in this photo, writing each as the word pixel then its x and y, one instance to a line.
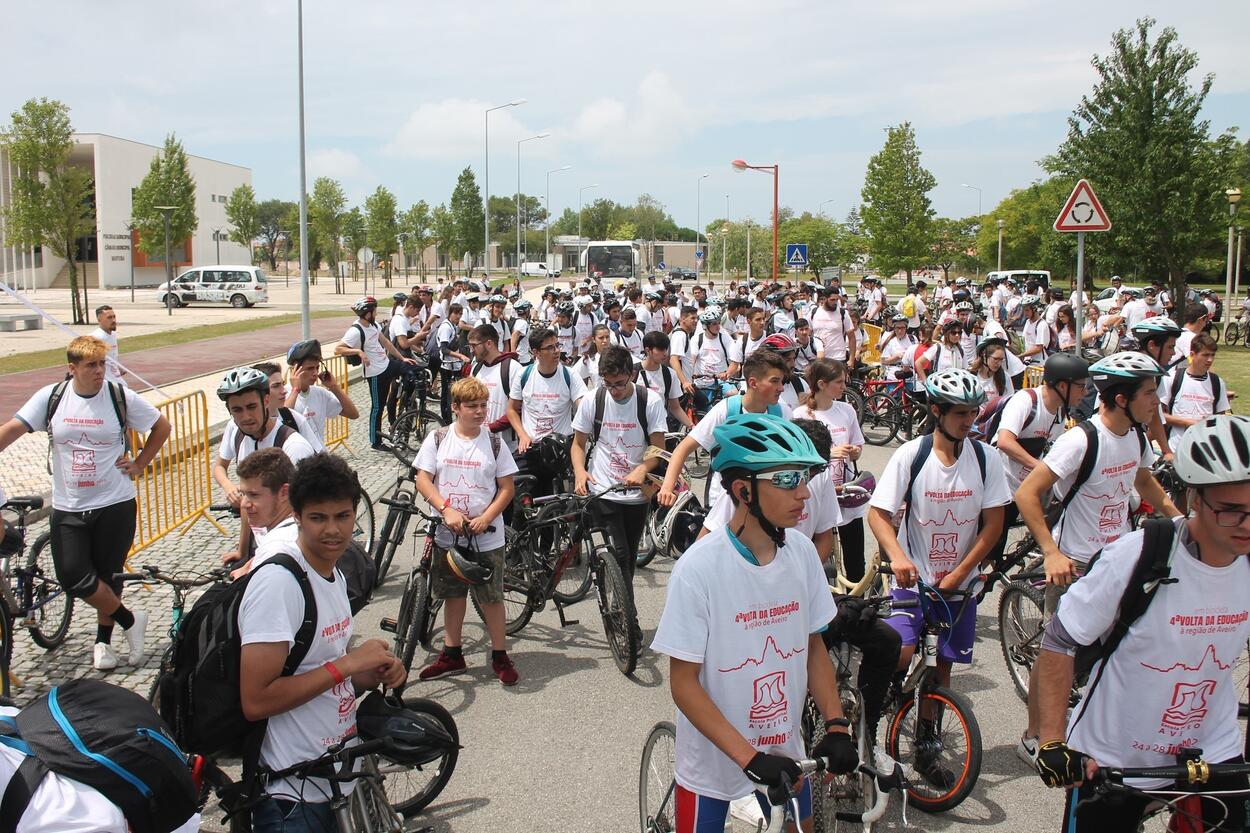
pixel 1081 213
pixel 1080 291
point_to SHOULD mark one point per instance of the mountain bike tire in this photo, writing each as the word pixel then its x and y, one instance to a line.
pixel 433 775
pixel 657 786
pixel 54 608
pixel 1020 622
pixel 392 536
pixel 956 726
pixel 616 606
pixel 516 586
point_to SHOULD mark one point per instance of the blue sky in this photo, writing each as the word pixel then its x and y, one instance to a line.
pixel 644 96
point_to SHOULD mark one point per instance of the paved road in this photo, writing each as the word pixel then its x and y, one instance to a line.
pixel 559 752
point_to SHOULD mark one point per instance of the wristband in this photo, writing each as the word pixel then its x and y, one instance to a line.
pixel 841 722
pixel 339 679
pixel 446 505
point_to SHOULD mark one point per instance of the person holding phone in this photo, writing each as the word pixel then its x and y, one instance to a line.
pixel 316 403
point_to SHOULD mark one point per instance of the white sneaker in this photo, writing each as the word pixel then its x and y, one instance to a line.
pixel 747 809
pixel 103 657
pixel 135 636
pixel 1026 749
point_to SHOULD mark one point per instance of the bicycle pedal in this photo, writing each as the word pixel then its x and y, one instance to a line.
pixel 389 624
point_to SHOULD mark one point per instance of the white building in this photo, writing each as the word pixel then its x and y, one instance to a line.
pixel 105 258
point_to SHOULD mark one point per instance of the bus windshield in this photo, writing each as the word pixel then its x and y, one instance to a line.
pixel 610 261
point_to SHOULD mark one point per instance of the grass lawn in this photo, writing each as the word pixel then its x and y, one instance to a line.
pixel 56 357
pixel 1233 366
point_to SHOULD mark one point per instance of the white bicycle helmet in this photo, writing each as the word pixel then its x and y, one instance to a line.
pixel 963 306
pixel 711 315
pixel 1030 301
pixel 242 379
pixel 1122 368
pixel 954 386
pixel 1215 451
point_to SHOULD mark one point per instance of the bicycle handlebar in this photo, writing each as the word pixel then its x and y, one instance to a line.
pixel 151 572
pixel 338 753
pixel 1193 771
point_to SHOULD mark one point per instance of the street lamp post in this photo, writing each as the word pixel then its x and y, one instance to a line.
pixel 486 186
pixel 403 262
pixel 518 197
pixel 547 229
pixel 977 188
pixel 130 227
pixel 698 222
pixel 580 191
pixel 1237 270
pixel 217 240
pixel 1234 197
pixel 821 209
pixel 740 165
pixel 166 210
pixel 724 243
pixel 1001 223
pixel 305 315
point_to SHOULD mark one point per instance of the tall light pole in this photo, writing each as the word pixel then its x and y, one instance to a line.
pixel 1001 223
pixel 486 186
pixel 740 165
pixel 581 191
pixel 217 240
pixel 518 196
pixel 821 209
pixel 547 230
pixel 1236 271
pixel 698 222
pixel 977 188
pixel 166 210
pixel 724 243
pixel 286 256
pixel 1234 197
pixel 403 262
pixel 305 315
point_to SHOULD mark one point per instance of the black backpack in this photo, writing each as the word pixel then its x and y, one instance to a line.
pixel 361 573
pixel 109 739
pixel 355 361
pixel 1178 379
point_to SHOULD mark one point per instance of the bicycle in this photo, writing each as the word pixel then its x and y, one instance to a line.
pixel 532 575
pixel 395 524
pixel 416 416
pixel 953 736
pixel 657 536
pixel 1182 804
pixel 890 407
pixel 44 608
pixel 413 624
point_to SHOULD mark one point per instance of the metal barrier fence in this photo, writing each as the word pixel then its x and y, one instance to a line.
pixel 1033 377
pixel 872 355
pixel 176 489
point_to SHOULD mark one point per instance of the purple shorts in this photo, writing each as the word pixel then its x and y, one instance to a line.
pixel 954 645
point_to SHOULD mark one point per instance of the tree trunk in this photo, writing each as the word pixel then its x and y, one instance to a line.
pixel 76 304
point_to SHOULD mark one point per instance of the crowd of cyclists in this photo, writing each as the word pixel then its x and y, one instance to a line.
pixel 581 389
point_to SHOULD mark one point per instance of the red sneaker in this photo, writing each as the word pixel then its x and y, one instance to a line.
pixel 442 666
pixel 505 670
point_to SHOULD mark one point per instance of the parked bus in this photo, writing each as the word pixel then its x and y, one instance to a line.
pixel 611 259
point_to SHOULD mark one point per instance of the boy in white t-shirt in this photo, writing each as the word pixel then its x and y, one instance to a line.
pixel 264 483
pixel 466 474
pixel 1192 392
pixel 316 403
pixel 315 707
pixel 742 627
pixel 657 376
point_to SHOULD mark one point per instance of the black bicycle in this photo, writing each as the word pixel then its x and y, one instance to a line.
pixel 1179 807
pixel 418 414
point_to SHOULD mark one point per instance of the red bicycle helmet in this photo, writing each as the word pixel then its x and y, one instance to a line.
pixel 780 343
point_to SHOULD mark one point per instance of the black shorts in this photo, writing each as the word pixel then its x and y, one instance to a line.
pixel 92 545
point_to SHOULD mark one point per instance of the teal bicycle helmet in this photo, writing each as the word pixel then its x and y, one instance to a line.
pixel 1123 369
pixel 1158 326
pixel 760 441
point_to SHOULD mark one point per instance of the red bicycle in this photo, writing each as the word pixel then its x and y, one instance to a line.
pixel 890 407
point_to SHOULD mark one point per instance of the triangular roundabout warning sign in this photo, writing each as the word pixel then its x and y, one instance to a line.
pixel 1082 211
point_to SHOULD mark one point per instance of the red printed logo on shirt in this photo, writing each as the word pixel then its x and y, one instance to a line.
pixel 770 698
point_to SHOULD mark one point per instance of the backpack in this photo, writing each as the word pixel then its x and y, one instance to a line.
pixel 117 395
pixel 720 338
pixel 601 402
pixel 356 361
pixel 985 428
pixel 525 376
pixel 287 426
pixel 908 307
pixel 440 434
pixel 1055 512
pixel 360 573
pixel 1178 379
pixel 733 407
pixel 505 374
pixel 107 738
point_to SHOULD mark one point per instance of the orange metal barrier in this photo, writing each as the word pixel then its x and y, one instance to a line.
pixel 176 489
pixel 872 355
pixel 1033 377
pixel 338 428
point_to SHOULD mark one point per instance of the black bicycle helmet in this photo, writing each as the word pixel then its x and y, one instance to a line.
pixel 416 738
pixel 553 451
pixel 302 350
pixel 1064 367
pixel 467 565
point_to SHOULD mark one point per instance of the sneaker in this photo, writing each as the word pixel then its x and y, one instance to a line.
pixel 1027 750
pixel 930 768
pixel 135 636
pixel 442 666
pixel 103 657
pixel 505 670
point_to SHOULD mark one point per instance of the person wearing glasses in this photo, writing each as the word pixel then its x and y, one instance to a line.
pixel 952 490
pixel 990 368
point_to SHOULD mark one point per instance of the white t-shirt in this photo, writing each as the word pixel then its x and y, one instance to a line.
pixel 112 371
pixel 296 447
pixel 631 342
pixel 653 380
pixel 821 512
pixel 844 429
pixel 489 375
pixel 947 502
pixel 942 356
pixel 317 405
pixel 1194 401
pixel 743 346
pixel 622 442
pixel 548 401
pixel 702 434
pixel 523 354
pixel 401 325
pixel 808 353
pixel 679 345
pixel 88 440
pixel 587 369
pixel 1036 334
pixel 790 396
pixel 831 328
pixel 710 354
pixel 1099 513
pixel 271 611
pixel 905 347
pixel 1043 425
pixel 1181 353
pixel 373 348
pixel 465 470
pixel 1174 666
pixel 783 322
pixel 748 628
pixel 447 336
pixel 567 339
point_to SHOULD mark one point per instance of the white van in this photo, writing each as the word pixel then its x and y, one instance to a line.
pixel 538 270
pixel 1021 276
pixel 238 286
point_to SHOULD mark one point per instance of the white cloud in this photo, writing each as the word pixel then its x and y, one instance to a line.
pixel 335 163
pixel 452 129
pixel 658 118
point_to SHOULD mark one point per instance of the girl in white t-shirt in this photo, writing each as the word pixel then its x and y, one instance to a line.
pixel 827 380
pixel 990 368
pixel 588 366
pixel 1065 327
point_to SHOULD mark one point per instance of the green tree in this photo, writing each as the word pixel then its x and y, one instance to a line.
pixel 271 224
pixel 241 211
pixel 1137 137
pixel 380 214
pixel 825 239
pixel 897 215
pixel 466 210
pixel 168 182
pixel 326 211
pixel 1029 241
pixel 315 241
pixel 953 241
pixel 502 218
pixel 53 202
pixel 443 234
pixel 566 223
pixel 418 224
pixel 355 236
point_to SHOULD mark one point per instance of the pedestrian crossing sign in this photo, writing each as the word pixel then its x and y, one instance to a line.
pixel 796 254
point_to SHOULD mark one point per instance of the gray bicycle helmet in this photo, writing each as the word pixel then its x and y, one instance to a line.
pixel 564 308
pixel 414 738
pixel 242 379
pixel 303 350
pixel 522 306
pixel 1215 452
pixel 1030 301
pixel 364 304
pixel 898 319
pixel 399 297
pixel 1123 368
pixel 709 316
pixel 954 386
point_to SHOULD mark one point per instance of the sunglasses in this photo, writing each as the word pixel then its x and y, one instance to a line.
pixel 787 479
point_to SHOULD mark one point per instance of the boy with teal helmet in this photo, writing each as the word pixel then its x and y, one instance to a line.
pixel 742 627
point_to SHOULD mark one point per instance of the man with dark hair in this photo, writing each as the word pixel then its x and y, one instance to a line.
pixel 629 335
pixel 542 403
pixel 679 348
pixel 1197 317
pixel 499 373
pixel 656 376
pixel 264 483
pixel 315 707
pixel 106 318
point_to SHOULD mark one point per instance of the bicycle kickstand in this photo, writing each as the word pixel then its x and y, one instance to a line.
pixel 564 621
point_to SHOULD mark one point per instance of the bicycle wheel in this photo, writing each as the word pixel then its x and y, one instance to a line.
pixel 1232 333
pixel 393 529
pixel 516 586
pixel 914 419
pixel 410 788
pixel 843 798
pixel 1020 608
pixel 575 581
pixel 855 399
pixel 52 607
pixel 405 439
pixel 880 421
pixel 656 784
pixel 167 663
pixel 365 527
pixel 616 606
pixel 657 531
pixel 646 544
pixel 945 753
pixel 1241 678
pixel 6 650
